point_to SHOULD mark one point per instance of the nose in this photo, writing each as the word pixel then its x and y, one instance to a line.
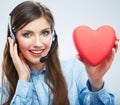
pixel 38 41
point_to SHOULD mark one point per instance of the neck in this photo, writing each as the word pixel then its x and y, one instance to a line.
pixel 37 67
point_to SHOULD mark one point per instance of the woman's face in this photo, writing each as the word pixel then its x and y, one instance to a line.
pixel 35 40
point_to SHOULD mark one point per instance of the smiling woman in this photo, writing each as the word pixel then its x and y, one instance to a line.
pixel 28 81
pixel 32 25
pixel 34 41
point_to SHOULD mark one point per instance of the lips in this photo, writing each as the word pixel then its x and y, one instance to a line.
pixel 36 53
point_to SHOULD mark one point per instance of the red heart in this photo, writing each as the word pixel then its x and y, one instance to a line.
pixel 94 45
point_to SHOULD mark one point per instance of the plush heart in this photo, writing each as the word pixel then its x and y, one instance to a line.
pixel 94 45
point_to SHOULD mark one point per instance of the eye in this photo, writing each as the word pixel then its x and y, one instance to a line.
pixel 46 32
pixel 26 34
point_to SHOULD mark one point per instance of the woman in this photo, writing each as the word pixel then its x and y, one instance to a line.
pixel 29 77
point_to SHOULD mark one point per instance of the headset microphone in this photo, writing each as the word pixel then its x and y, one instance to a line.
pixel 43 59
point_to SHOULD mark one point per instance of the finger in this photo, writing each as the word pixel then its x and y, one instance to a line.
pixel 113 51
pixel 79 57
pixel 23 61
pixel 15 50
pixel 111 56
pixel 82 60
pixel 21 57
pixel 117 38
pixel 116 46
pixel 11 43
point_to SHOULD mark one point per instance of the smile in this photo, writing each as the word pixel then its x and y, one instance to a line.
pixel 36 53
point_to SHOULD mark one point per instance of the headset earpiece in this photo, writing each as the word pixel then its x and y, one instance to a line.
pixel 54 36
pixel 11 29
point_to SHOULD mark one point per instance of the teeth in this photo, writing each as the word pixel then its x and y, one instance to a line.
pixel 36 51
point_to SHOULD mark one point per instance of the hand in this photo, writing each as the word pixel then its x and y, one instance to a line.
pixel 19 61
pixel 96 73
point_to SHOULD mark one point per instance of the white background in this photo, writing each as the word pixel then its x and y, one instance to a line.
pixel 69 14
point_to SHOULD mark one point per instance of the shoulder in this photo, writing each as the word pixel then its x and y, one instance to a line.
pixel 74 73
pixel 72 66
pixel 71 63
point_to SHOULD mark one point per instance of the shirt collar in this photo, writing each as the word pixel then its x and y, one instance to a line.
pixel 40 72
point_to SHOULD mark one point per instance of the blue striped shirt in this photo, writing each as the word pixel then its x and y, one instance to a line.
pixel 36 91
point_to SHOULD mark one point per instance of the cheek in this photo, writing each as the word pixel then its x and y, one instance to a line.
pixel 48 42
pixel 23 45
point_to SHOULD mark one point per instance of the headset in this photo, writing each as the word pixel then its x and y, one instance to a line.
pixel 54 43
pixel 54 40
pixel 11 28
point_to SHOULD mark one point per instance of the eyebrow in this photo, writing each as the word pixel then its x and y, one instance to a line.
pixel 32 31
